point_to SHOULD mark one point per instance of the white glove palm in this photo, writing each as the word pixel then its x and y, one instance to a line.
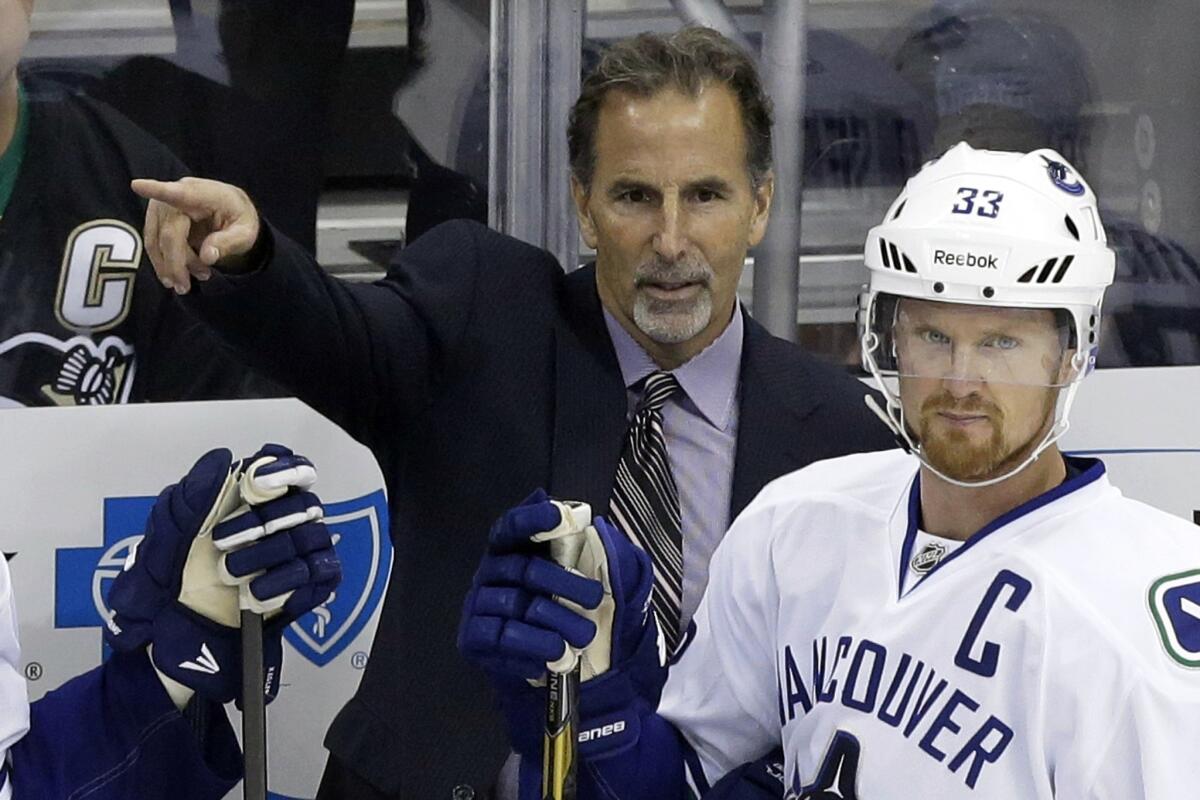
pixel 576 546
pixel 206 581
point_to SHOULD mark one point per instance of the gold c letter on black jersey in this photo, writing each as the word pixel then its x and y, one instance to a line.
pixel 96 283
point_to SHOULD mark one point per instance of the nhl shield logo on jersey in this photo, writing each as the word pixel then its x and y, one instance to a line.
pixel 360 533
pixel 928 558
pixel 1175 606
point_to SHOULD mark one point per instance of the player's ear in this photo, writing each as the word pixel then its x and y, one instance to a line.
pixel 582 196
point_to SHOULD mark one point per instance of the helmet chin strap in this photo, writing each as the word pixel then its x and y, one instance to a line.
pixel 893 416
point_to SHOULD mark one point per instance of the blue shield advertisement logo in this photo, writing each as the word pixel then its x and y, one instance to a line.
pixel 360 534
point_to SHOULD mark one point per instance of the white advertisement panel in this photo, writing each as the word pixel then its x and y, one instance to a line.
pixel 1144 423
pixel 77 484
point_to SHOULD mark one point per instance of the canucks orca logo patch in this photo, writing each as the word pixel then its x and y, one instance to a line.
pixel 1175 606
pixel 928 558
pixel 1061 176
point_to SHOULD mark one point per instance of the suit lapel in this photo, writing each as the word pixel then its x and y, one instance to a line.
pixel 775 398
pixel 590 405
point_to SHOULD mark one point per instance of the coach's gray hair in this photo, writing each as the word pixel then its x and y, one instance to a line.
pixel 688 61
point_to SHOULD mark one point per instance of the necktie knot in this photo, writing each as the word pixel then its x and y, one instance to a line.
pixel 659 388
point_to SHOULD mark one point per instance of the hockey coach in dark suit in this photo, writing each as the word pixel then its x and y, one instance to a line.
pixel 478 370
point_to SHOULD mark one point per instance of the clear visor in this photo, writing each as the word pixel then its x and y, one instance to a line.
pixel 911 338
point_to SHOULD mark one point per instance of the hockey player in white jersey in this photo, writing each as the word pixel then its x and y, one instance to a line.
pixel 988 619
pixel 975 615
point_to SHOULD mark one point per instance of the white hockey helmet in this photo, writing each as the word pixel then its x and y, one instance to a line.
pixel 989 229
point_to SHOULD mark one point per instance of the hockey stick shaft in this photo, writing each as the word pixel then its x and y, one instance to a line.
pixel 254 709
pixel 561 740
pixel 559 749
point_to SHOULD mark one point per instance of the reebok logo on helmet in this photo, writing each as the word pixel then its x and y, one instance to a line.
pixel 968 259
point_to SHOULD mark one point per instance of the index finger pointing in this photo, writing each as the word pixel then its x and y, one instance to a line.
pixel 173 193
pixel 197 197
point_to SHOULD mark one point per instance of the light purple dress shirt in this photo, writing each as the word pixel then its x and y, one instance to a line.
pixel 700 424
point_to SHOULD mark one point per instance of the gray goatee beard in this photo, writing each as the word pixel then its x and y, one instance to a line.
pixel 673 321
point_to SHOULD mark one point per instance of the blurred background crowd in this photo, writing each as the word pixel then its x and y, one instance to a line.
pixel 357 126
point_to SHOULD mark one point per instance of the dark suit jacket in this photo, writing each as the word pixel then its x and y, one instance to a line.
pixel 476 372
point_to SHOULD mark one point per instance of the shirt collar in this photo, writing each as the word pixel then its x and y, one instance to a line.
pixel 710 379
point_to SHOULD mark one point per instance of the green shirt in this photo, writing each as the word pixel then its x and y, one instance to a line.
pixel 10 161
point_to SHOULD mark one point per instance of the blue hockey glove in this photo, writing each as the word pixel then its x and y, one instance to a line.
pixel 525 614
pixel 228 527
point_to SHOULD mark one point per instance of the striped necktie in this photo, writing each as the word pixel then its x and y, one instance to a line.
pixel 645 503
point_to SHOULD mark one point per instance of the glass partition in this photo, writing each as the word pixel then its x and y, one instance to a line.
pixel 354 125
pixel 358 125
pixel 888 85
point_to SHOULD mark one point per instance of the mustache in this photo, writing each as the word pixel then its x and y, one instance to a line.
pixel 685 270
pixel 971 404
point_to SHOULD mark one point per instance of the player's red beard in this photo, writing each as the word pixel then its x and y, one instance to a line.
pixel 955 454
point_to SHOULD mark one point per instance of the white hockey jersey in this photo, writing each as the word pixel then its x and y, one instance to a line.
pixel 14 701
pixel 1056 654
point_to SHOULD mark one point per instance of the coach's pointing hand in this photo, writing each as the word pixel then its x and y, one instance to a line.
pixel 194 225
